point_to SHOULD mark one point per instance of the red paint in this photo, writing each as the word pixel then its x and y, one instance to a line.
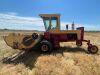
pixel 47 35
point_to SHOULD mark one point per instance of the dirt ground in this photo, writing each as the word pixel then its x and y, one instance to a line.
pixel 68 60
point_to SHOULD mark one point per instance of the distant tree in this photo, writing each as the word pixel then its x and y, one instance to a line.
pixel 5 29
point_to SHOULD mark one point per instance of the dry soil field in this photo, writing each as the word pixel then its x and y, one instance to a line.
pixel 69 60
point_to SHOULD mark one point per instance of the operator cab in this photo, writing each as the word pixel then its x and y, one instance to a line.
pixel 51 21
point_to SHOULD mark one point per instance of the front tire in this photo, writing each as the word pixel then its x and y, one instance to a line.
pixel 93 49
pixel 46 46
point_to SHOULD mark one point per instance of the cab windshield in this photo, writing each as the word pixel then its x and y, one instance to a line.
pixel 50 23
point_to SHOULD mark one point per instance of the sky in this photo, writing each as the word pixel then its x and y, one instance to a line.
pixel 23 14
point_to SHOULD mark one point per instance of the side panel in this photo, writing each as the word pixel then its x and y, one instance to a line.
pixel 82 32
pixel 55 39
pixel 65 36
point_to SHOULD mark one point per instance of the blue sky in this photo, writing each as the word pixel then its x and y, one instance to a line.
pixel 23 13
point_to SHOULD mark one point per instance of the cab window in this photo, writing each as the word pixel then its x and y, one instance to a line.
pixel 50 23
pixel 53 22
pixel 47 23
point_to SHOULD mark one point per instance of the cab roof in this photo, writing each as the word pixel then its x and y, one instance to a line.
pixel 49 15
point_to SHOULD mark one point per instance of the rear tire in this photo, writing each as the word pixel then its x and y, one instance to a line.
pixel 79 43
pixel 46 46
pixel 93 49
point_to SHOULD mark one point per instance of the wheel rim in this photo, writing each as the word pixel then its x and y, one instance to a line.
pixel 93 49
pixel 79 44
pixel 44 48
pixel 35 35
